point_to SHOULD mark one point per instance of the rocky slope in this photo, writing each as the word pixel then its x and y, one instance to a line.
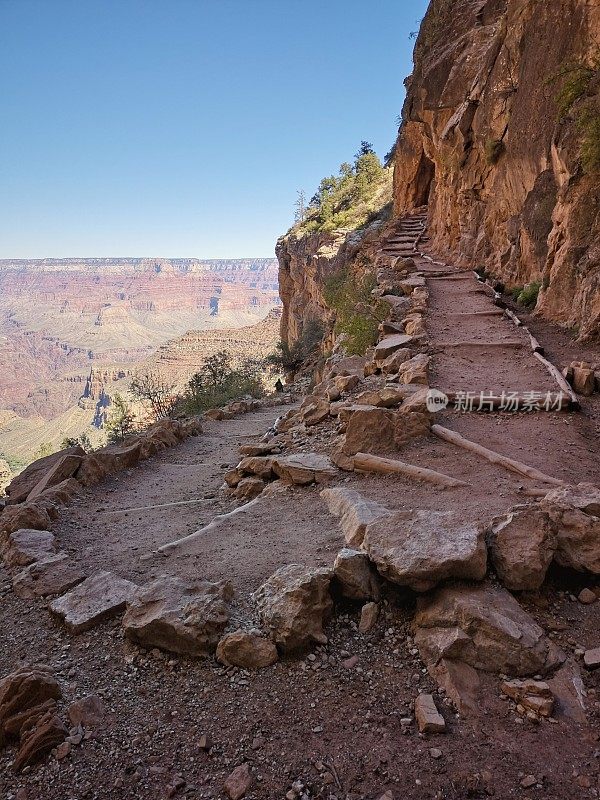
pixel 500 136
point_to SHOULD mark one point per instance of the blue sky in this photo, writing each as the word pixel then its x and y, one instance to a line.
pixel 184 128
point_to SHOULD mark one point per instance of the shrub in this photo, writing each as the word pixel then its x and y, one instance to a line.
pixel 589 128
pixel 218 382
pixel 152 389
pixel 357 315
pixel 493 150
pixel 529 295
pixel 288 358
pixel 45 449
pixel 121 422
pixel 74 441
pixel 516 292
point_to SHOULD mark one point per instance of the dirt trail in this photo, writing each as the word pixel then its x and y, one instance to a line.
pixel 101 532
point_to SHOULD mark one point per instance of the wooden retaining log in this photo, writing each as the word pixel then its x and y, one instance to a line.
pixel 493 457
pixel 560 379
pixel 512 316
pixel 365 462
pixel 535 345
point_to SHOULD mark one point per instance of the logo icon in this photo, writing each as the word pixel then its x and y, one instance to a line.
pixel 436 400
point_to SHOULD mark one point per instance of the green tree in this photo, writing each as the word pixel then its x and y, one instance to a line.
pixel 121 422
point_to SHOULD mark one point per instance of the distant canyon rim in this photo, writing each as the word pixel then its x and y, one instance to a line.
pixel 73 330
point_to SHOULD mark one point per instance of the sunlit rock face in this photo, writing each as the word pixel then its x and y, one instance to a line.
pixel 483 142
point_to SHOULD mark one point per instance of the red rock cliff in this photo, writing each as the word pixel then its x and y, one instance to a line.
pixel 484 142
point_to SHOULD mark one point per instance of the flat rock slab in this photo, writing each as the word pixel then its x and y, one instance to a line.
pixel 304 468
pixel 355 512
pixel 389 345
pixel 179 616
pixel 27 545
pixel 52 576
pixel 63 469
pixel 26 480
pixel 421 548
pixel 98 598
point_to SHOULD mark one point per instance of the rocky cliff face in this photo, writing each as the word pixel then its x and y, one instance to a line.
pixel 485 141
pixel 305 264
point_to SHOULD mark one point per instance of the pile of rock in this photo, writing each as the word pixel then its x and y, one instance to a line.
pixel 245 405
pixel 266 464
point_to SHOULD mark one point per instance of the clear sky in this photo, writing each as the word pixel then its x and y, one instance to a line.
pixel 184 128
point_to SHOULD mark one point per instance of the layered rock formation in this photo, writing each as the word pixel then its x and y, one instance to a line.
pixel 486 142
pixel 72 332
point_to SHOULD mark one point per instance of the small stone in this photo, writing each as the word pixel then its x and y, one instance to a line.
pixel 428 717
pixel 368 617
pixel 350 663
pixel 591 658
pixel 587 596
pixel 62 751
pixel 435 752
pixel 205 742
pixel 528 781
pixel 238 782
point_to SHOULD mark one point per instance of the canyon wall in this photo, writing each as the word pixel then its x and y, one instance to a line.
pixel 305 264
pixel 485 142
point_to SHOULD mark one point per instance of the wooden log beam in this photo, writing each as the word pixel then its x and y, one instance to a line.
pixel 493 457
pixel 536 347
pixel 494 312
pixel 513 317
pixel 365 462
pixel 561 380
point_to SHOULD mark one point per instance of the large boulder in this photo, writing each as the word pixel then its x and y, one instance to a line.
pixel 522 544
pixel 303 468
pixel 392 363
pixel 485 627
pixel 355 577
pixel 575 511
pixel 27 545
pixel 294 604
pixel 409 424
pixel 115 458
pixel 25 515
pixel 61 470
pixel 21 485
pixel 421 548
pixel 99 597
pixel 314 410
pixel 178 616
pixel 246 650
pixel 355 512
pixel 368 429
